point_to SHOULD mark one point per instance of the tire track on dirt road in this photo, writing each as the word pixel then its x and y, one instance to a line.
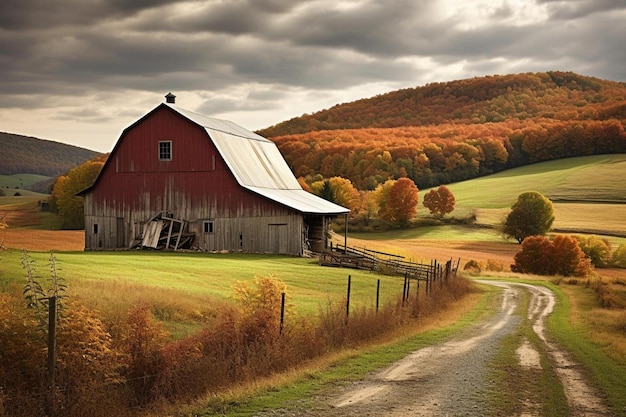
pixel 452 378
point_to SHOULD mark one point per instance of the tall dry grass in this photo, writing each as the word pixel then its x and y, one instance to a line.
pixel 124 361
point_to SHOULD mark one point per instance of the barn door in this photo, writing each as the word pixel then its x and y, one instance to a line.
pixel 121 233
pixel 278 238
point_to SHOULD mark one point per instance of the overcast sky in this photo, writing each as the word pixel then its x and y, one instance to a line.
pixel 80 71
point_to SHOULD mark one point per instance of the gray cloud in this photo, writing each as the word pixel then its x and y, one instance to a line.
pixel 576 9
pixel 281 56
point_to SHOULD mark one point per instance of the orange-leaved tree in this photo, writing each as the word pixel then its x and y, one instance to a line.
pixel 440 201
pixel 542 256
pixel 400 204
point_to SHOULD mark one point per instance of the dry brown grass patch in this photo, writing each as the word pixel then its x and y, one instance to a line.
pixel 44 240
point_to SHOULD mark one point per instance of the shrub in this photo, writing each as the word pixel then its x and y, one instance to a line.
pixel 88 369
pixel 493 265
pixel 22 358
pixel 114 368
pixel 598 250
pixel 260 305
pixel 561 256
pixel 618 259
pixel 534 257
pixel 606 298
pixel 139 338
pixel 473 266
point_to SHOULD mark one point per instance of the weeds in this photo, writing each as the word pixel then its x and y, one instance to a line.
pixel 606 296
pixel 130 361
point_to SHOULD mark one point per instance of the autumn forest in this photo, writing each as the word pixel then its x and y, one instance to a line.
pixel 448 132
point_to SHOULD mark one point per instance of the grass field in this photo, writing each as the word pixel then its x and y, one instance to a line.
pixel 309 286
pixel 20 181
pixel 585 179
pixel 186 288
pixel 589 193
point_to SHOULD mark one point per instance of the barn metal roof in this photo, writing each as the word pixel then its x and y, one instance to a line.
pixel 258 165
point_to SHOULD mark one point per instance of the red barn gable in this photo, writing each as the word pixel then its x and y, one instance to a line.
pixel 209 181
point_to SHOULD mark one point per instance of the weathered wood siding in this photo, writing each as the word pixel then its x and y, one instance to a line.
pixel 196 186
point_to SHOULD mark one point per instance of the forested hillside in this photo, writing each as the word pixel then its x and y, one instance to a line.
pixel 25 154
pixel 448 132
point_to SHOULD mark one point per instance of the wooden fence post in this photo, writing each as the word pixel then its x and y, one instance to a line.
pixel 377 293
pixel 348 296
pixel 408 287
pixel 282 312
pixel 404 290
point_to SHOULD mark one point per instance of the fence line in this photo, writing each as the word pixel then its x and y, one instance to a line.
pixel 389 264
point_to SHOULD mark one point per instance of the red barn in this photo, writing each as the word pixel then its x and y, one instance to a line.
pixel 176 176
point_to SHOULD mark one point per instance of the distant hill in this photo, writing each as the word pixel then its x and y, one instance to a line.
pixel 545 95
pixel 29 155
pixel 448 132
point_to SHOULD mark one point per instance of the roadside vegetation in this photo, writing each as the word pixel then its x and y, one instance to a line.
pixel 115 349
pixel 590 322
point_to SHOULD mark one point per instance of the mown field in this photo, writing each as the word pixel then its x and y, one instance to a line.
pixel 589 193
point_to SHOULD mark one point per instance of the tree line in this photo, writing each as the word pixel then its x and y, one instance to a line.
pixel 441 154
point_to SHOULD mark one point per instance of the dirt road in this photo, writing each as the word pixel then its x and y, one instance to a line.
pixel 454 378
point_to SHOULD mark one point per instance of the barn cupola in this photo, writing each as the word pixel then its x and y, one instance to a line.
pixel 170 98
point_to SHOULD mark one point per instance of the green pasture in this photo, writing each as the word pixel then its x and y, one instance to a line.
pixel 309 285
pixel 20 181
pixel 10 199
pixel 589 193
pixel 12 202
pixel 445 232
pixel 597 178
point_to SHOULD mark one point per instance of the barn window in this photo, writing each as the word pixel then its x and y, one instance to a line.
pixel 208 226
pixel 165 150
pixel 95 229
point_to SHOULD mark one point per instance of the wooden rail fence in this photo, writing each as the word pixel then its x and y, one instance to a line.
pixel 389 264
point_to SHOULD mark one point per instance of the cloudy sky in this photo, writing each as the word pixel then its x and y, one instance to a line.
pixel 80 71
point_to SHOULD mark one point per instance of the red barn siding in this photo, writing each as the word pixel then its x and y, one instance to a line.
pixel 196 186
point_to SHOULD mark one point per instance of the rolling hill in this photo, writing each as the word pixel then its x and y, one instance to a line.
pixel 548 95
pixel 448 132
pixel 29 155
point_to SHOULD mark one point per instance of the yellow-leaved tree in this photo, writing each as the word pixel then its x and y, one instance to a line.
pixel 398 203
pixel 339 191
pixel 64 199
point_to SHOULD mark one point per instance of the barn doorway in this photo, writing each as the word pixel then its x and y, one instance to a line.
pixel 278 238
pixel 316 228
pixel 120 233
